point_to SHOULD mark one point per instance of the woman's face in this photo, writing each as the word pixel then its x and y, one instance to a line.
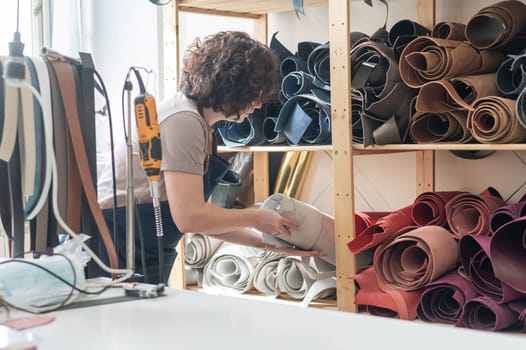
pixel 245 113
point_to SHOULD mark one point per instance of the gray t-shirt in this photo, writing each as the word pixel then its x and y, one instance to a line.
pixel 186 142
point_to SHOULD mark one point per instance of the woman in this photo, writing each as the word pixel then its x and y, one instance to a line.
pixel 225 77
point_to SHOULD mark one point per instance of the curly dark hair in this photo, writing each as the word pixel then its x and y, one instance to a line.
pixel 228 72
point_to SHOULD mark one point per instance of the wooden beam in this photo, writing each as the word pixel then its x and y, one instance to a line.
pixel 425 13
pixel 339 30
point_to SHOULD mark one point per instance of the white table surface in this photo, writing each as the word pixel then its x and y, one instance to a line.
pixel 186 319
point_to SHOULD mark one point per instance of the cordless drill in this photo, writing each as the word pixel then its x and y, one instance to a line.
pixel 149 139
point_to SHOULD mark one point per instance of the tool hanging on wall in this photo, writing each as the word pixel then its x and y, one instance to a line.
pixel 150 153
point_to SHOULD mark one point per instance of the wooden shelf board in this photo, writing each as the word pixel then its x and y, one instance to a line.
pixel 282 299
pixel 223 149
pixel 379 149
pixel 242 7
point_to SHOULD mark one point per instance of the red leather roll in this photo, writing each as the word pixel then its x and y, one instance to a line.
pixel 385 228
pixel 429 208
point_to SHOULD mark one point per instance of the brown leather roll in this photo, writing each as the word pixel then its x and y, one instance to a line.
pixel 496 25
pixel 426 59
pixel 459 92
pixel 416 258
pixel 494 120
pixel 449 31
pixel 445 127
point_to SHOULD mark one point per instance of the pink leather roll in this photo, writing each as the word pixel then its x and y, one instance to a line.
pixel 429 208
pixel 416 258
pixel 469 213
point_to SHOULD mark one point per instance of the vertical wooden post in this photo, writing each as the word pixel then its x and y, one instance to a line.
pixel 177 277
pixel 425 160
pixel 261 159
pixel 339 36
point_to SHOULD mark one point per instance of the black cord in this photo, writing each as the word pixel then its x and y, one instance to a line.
pixel 17 14
pixel 72 285
pixel 104 93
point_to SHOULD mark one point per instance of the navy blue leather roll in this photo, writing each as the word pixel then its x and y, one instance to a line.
pixel 279 49
pixel 296 83
pixel 318 64
pixel 511 76
pixel 247 133
pixel 305 118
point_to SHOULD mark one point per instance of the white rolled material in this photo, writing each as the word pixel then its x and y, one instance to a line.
pixel 265 274
pixel 231 268
pixel 316 231
pixel 199 249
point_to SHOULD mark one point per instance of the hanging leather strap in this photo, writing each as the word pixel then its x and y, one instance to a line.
pixel 68 89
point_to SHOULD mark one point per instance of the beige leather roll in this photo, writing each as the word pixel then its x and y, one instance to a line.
pixel 493 120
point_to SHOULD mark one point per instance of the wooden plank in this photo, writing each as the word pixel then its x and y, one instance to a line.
pixel 261 176
pixel 218 12
pixel 177 278
pixel 261 29
pixel 339 30
pixel 246 6
pixel 170 52
pixel 224 149
pixel 425 171
pixel 425 13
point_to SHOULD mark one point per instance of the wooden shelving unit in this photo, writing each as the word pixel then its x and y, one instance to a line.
pixel 342 148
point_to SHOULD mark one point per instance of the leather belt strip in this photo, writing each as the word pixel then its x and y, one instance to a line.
pixel 39 147
pixel 87 120
pixel 444 299
pixel 416 258
pixel 45 93
pixel 494 26
pixel 66 81
pixel 26 133
pixel 16 194
pixel 5 208
pixel 425 59
pixel 493 120
pixel 9 133
pixel 477 265
pixel 61 152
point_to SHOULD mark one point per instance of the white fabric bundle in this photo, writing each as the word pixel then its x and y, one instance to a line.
pixel 265 274
pixel 231 268
pixel 199 248
pixel 316 231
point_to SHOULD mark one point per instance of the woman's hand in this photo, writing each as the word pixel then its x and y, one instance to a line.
pixel 271 223
pixel 292 251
